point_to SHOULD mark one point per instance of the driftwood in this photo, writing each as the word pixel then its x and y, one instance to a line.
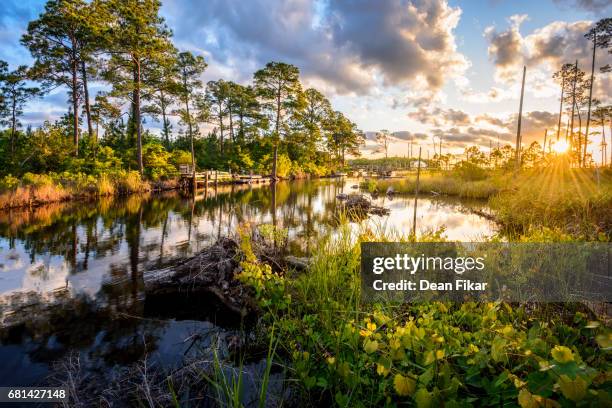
pixel 211 271
pixel 361 205
pixel 483 214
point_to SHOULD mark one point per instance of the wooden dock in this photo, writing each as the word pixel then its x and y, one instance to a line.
pixel 203 179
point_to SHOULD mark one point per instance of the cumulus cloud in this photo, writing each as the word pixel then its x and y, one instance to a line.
pixel 438 116
pixel 543 51
pixel 347 46
pixel 408 136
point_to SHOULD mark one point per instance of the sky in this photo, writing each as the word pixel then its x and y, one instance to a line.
pixel 423 69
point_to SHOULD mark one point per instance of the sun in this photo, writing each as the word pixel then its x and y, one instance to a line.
pixel 561 146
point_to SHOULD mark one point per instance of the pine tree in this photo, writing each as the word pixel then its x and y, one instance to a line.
pixel 14 94
pixel 138 41
pixel 278 86
pixel 57 41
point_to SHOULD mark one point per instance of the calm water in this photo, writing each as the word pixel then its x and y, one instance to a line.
pixel 71 274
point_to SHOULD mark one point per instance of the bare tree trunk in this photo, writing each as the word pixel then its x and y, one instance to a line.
pixel 75 108
pixel 220 128
pixel 86 99
pixel 231 126
pixel 13 128
pixel 189 125
pixel 518 131
pixel 137 119
pixel 416 195
pixel 166 125
pixel 588 122
pixel 580 160
pixel 277 135
pixel 560 107
pixel 573 106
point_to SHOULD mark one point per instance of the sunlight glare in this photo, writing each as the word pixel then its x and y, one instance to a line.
pixel 561 146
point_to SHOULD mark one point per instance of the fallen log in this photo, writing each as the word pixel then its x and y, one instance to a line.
pixel 297 263
pixel 211 271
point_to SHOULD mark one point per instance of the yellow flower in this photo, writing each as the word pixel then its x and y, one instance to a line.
pixel 331 360
pixel 437 339
pixel 381 370
pixel 403 385
pixel 439 354
pixel 369 330
pixel 395 344
pixel 562 354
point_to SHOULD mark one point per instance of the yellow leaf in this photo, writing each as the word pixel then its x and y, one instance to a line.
pixel 527 400
pixel 370 346
pixel 403 385
pixel 574 390
pixel 562 354
pixel 429 358
pixel 604 340
pixel 498 349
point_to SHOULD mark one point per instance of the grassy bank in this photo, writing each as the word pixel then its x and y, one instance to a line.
pixel 575 201
pixel 344 352
pixel 36 189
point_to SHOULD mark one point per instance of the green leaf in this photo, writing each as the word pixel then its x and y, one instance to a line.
pixel 423 398
pixel 498 350
pixel 575 389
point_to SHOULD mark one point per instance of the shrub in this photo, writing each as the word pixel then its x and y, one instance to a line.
pixel 9 183
pixel 470 171
pixel 130 182
pixel 283 166
pixel 105 185
pixel 36 180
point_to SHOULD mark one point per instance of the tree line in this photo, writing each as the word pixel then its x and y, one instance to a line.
pixel 271 125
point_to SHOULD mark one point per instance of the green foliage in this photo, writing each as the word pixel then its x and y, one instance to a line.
pixel 284 166
pixel 347 353
pixel 470 171
pixel 269 286
pixel 157 162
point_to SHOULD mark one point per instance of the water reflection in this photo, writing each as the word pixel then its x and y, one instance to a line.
pixel 83 246
pixel 71 274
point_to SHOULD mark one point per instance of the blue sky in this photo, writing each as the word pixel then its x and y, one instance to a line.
pixel 425 68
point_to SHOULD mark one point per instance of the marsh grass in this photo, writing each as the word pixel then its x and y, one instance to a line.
pixel 575 201
pixel 36 189
pixel 440 183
